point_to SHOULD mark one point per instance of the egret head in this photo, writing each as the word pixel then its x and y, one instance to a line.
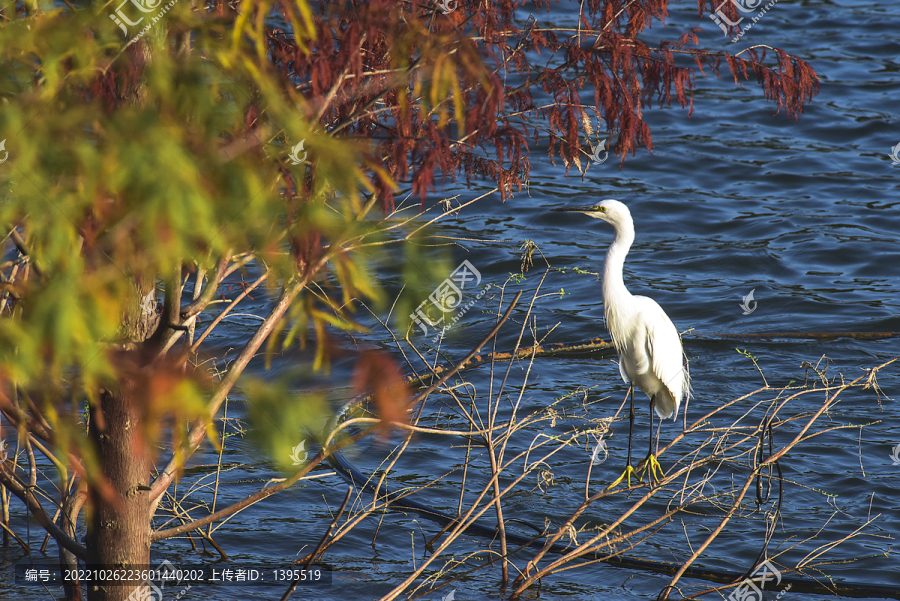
pixel 611 211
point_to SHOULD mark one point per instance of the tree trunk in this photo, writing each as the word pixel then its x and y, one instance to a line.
pixel 118 518
pixel 118 529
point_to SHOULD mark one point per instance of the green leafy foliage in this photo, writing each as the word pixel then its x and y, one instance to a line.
pixel 281 419
pixel 129 162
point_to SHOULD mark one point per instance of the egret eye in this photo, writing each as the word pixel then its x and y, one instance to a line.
pixel 601 209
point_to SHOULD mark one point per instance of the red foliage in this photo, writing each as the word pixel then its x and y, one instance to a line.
pixel 385 71
pixel 378 373
pixel 361 75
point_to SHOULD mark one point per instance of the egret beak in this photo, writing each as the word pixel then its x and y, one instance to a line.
pixel 576 210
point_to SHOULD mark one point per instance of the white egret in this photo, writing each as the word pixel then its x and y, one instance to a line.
pixel 649 347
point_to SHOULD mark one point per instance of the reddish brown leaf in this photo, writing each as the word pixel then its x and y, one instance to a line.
pixel 379 374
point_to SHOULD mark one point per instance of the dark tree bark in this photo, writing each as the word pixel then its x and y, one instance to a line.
pixel 118 524
pixel 118 516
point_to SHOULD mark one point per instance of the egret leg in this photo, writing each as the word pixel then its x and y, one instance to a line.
pixel 658 424
pixel 650 463
pixel 630 422
pixel 629 471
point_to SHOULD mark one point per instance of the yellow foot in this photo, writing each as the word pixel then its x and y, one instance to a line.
pixel 629 472
pixel 653 468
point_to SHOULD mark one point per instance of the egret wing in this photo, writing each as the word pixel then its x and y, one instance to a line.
pixel 622 373
pixel 664 350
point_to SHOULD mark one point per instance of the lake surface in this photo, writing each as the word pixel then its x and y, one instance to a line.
pixel 735 199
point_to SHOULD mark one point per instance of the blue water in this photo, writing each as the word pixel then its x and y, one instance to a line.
pixel 736 198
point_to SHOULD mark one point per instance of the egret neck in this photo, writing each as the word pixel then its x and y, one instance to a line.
pixel 613 286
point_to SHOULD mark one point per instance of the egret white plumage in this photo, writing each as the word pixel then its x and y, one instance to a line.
pixel 648 345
